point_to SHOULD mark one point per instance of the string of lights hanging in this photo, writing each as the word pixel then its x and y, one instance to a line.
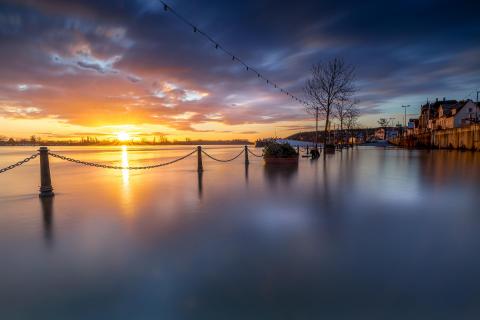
pixel 234 57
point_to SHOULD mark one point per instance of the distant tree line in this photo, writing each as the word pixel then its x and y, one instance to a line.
pixel 94 141
pixel 360 134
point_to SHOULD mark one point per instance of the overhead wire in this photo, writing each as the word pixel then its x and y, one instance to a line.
pixel 235 58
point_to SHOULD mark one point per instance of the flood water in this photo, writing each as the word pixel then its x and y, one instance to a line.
pixel 361 234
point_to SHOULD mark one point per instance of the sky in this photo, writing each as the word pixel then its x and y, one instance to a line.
pixel 97 68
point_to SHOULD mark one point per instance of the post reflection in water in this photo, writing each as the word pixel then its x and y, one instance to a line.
pixel 357 229
pixel 279 174
pixel 47 212
pixel 326 197
pixel 200 184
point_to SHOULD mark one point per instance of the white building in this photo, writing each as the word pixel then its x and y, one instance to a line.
pixel 456 115
pixel 466 114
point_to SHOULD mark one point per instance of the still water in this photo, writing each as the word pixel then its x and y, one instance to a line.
pixel 362 234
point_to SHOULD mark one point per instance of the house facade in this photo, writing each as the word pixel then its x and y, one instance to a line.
pixel 448 114
pixel 429 113
pixel 467 114
pixel 413 126
pixel 458 115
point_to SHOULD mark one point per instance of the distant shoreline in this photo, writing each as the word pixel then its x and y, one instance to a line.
pixel 73 144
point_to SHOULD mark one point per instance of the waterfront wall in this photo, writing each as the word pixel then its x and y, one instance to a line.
pixel 466 138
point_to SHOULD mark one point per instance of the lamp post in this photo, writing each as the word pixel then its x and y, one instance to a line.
pixel 405 117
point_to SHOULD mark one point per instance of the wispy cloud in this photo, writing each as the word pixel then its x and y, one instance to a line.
pixel 90 63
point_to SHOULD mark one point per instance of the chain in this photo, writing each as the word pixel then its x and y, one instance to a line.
pixel 255 155
pixel 219 160
pixel 19 163
pixel 98 165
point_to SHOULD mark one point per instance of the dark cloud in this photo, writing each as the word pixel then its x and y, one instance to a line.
pixel 297 128
pixel 133 78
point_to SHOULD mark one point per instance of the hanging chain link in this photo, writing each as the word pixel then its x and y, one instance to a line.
pixel 255 155
pixel 19 163
pixel 220 160
pixel 98 165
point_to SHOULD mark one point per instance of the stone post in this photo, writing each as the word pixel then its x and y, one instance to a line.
pixel 46 189
pixel 199 157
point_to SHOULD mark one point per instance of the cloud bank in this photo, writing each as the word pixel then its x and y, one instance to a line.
pixel 93 63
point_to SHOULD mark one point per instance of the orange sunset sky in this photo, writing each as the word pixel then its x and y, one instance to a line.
pixel 88 68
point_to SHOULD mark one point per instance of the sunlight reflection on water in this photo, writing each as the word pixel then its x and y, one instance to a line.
pixel 126 195
pixel 125 172
pixel 367 233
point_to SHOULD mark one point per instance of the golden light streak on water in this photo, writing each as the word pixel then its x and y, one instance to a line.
pixel 125 173
pixel 126 192
pixel 370 219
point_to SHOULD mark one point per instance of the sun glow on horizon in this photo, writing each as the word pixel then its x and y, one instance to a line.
pixel 123 136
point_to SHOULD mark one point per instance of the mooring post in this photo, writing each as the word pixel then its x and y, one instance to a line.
pixel 246 156
pixel 298 149
pixel 199 157
pixel 46 189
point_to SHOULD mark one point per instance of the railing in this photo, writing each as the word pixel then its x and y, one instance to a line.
pixel 46 189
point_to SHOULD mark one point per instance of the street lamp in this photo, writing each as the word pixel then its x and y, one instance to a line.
pixel 405 117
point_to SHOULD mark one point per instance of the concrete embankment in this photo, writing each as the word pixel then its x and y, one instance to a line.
pixel 466 138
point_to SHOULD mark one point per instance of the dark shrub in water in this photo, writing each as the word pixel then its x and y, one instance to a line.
pixel 279 150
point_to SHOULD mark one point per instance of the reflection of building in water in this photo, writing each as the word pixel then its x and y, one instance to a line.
pixel 47 212
pixel 436 168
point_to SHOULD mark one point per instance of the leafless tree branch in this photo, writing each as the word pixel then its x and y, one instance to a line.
pixel 331 85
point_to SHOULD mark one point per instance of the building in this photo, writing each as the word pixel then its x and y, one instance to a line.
pixel 466 114
pixel 386 133
pixel 448 114
pixel 379 134
pixel 413 126
pixel 429 112
pixel 457 115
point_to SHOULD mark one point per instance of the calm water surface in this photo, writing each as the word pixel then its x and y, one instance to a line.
pixel 362 234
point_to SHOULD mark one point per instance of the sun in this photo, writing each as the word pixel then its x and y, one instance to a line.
pixel 123 136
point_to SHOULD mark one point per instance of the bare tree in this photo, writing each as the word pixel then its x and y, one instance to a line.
pixel 330 84
pixel 339 112
pixel 345 111
pixel 351 118
pixel 384 123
